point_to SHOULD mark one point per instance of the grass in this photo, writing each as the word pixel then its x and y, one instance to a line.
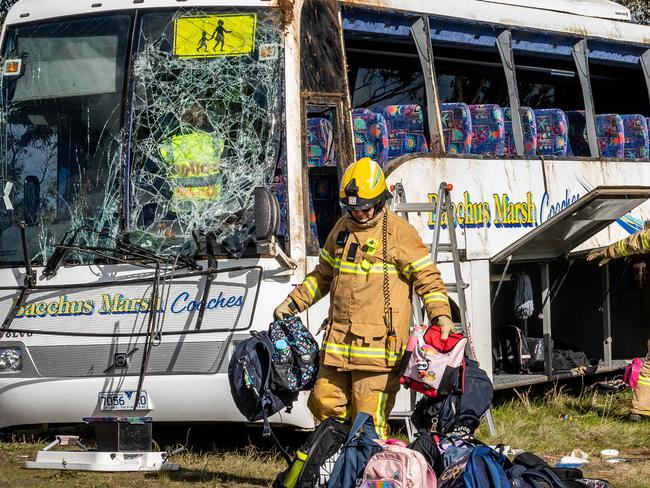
pixel 235 456
pixel 558 423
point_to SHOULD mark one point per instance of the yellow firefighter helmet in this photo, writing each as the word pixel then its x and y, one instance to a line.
pixel 363 186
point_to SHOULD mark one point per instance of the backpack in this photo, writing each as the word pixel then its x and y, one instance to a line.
pixel 514 350
pixel 314 460
pixel 434 365
pixel 632 371
pixel 250 375
pixel 531 471
pixel 536 349
pixel 461 411
pixel 295 355
pixel 251 380
pixel 441 451
pixel 481 468
pixel 397 466
pixel 359 447
pixel 566 359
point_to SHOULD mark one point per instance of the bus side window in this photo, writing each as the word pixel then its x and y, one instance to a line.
pixel 387 85
pixel 322 174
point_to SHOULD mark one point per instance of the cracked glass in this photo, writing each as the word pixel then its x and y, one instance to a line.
pixel 206 126
pixel 156 160
pixel 60 134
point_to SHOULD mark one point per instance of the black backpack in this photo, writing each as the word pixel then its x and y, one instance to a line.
pixel 530 471
pixel 314 461
pixel 251 383
pixel 514 350
pixel 462 409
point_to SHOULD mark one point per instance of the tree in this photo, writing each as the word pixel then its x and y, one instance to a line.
pixel 5 5
pixel 640 10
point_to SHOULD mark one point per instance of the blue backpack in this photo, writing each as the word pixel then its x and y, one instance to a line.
pixel 250 376
pixel 481 468
pixel 357 450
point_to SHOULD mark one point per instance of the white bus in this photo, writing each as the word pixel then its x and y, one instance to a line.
pixel 169 169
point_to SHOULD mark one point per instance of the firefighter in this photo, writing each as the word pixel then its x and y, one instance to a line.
pixel 370 264
pixel 638 243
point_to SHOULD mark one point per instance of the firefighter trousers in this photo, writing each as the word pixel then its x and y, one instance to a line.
pixel 641 396
pixel 339 393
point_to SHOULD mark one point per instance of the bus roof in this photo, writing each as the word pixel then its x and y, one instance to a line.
pixel 32 10
pixel 594 18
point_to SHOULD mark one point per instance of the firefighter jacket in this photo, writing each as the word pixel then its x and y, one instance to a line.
pixel 194 165
pixel 638 243
pixel 351 268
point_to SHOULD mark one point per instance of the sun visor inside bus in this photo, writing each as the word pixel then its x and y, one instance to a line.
pixel 359 23
pixel 575 224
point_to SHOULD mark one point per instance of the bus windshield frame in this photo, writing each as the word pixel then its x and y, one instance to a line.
pixel 100 128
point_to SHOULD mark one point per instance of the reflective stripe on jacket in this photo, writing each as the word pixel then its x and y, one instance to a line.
pixel 638 243
pixel 351 269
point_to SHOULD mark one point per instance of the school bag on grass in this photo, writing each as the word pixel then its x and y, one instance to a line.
pixel 397 466
pixel 530 471
pixel 314 460
pixel 481 468
pixel 441 450
pixel 359 447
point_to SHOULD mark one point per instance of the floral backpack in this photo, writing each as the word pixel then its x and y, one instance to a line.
pixel 294 356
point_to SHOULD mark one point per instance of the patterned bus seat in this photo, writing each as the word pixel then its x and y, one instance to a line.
pixel 609 131
pixel 551 132
pixel 529 127
pixel 370 135
pixel 487 129
pixel 320 143
pixel 611 135
pixel 405 130
pixel 637 144
pixel 456 127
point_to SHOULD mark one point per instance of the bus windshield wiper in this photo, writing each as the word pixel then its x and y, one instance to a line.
pixel 62 250
pixel 122 248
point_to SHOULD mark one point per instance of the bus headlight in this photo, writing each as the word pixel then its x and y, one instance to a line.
pixel 11 359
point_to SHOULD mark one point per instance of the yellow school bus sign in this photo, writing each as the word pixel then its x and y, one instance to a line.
pixel 214 35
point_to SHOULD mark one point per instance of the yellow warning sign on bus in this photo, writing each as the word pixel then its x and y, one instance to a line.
pixel 214 35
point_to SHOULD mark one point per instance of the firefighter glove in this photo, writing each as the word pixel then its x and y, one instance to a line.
pixel 446 326
pixel 600 254
pixel 288 308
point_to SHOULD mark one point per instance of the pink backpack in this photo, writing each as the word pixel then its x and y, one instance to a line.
pixel 397 466
pixel 432 364
pixel 632 372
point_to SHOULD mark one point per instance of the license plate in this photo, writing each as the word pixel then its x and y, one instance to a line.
pixel 123 400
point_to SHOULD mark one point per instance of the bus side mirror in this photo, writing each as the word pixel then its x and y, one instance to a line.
pixel 267 224
pixel 267 214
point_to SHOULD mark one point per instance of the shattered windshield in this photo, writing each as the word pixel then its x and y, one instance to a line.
pixel 60 133
pixel 158 159
pixel 206 126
